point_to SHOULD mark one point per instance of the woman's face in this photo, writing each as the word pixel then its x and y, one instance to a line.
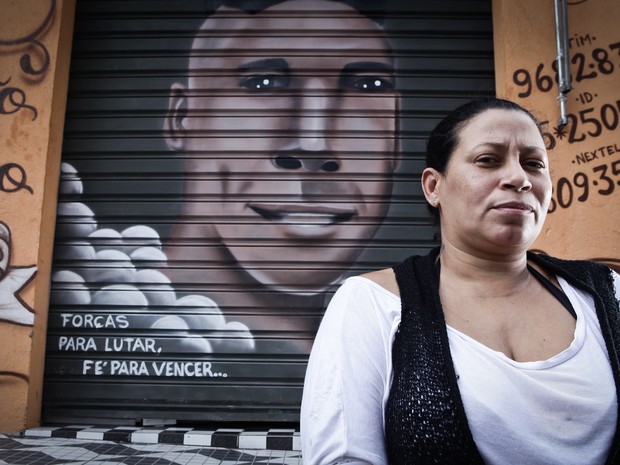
pixel 495 191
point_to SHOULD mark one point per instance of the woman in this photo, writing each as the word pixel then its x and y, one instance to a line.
pixel 480 352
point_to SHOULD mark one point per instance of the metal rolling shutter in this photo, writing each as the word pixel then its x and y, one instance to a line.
pixel 124 340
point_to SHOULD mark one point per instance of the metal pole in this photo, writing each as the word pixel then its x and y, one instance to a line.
pixel 563 57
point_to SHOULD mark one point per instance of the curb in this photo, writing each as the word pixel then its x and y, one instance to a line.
pixel 235 438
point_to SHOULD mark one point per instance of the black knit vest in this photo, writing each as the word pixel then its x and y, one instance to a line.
pixel 425 421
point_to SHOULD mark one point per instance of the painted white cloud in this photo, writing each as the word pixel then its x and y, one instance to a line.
pixel 106 267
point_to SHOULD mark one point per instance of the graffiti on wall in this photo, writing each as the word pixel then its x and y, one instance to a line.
pixel 13 178
pixel 13 99
pixel 585 153
pixel 25 62
pixel 595 117
pixel 34 62
pixel 13 279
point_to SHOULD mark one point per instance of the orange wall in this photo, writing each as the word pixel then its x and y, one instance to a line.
pixel 585 162
pixel 31 123
pixel 33 91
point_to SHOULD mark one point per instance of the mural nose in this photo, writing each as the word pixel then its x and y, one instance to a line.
pixel 330 166
pixel 288 163
pixel 310 163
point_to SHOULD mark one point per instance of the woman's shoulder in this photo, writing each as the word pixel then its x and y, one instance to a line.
pixel 577 268
pixel 384 278
pixel 364 298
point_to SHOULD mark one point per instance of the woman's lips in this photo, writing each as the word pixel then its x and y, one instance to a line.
pixel 304 214
pixel 517 207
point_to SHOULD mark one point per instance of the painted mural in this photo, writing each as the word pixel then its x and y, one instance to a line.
pixel 223 172
pixel 288 165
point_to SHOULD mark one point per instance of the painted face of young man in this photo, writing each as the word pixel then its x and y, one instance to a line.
pixel 288 123
pixel 495 191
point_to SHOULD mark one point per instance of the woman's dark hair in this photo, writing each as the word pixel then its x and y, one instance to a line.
pixel 446 135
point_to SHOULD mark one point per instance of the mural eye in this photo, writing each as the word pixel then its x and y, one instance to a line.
pixel 265 82
pixel 367 83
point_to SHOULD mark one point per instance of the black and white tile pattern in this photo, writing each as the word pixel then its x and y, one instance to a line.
pixel 49 446
pixel 271 439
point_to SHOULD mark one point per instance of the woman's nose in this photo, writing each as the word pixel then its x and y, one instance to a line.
pixel 516 177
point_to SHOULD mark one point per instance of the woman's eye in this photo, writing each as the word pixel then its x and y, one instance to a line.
pixel 366 83
pixel 265 82
pixel 486 160
pixel 535 164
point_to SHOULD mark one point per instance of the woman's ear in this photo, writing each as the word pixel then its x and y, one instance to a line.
pixel 431 180
pixel 174 124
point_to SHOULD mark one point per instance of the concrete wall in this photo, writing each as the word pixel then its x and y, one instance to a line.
pixel 35 45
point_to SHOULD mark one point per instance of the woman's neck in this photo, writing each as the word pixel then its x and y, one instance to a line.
pixel 483 273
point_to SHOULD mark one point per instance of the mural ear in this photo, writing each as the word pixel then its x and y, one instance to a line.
pixel 398 151
pixel 174 124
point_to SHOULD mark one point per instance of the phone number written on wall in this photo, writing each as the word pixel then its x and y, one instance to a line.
pixel 597 119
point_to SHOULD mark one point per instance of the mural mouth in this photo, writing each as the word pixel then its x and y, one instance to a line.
pixel 304 215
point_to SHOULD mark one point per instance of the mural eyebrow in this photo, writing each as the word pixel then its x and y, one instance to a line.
pixel 268 63
pixel 366 66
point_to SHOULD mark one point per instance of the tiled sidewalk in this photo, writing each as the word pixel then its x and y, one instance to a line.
pixel 77 445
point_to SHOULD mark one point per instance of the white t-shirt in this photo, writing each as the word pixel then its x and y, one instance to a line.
pixel 532 413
